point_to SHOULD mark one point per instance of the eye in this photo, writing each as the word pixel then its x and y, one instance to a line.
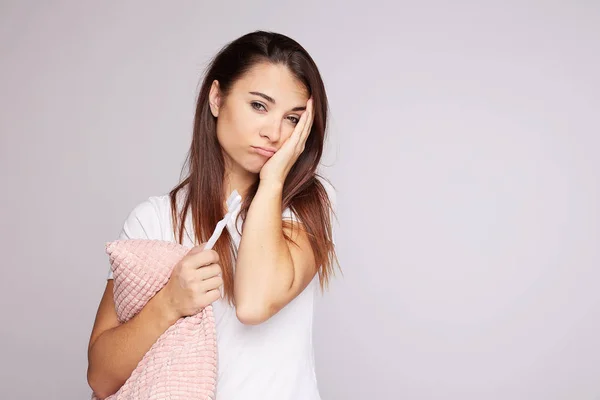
pixel 257 106
pixel 294 120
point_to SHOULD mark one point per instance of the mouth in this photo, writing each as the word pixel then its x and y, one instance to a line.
pixel 267 152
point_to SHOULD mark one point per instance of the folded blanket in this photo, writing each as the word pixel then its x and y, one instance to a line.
pixel 182 363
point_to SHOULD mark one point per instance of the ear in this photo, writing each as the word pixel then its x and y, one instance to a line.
pixel 214 98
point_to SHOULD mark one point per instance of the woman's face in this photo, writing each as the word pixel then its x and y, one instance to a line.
pixel 257 116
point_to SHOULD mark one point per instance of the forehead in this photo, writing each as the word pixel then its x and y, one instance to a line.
pixel 274 80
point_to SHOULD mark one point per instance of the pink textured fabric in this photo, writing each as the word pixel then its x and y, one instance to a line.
pixel 182 363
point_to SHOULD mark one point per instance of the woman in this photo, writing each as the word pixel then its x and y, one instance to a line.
pixel 259 129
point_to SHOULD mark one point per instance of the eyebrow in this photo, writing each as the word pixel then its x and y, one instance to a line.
pixel 272 100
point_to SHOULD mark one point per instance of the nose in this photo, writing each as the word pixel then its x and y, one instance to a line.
pixel 272 130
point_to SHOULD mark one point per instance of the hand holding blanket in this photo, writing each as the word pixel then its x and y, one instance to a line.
pixel 182 363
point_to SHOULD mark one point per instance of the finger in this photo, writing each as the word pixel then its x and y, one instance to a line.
pixel 310 106
pixel 196 249
pixel 212 283
pixel 297 133
pixel 213 295
pixel 209 271
pixel 203 258
pixel 311 113
pixel 307 127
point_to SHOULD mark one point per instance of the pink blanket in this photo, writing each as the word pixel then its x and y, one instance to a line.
pixel 182 363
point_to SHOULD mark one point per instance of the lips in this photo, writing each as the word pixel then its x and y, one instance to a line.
pixel 264 151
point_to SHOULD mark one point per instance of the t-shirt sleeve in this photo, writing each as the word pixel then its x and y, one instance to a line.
pixel 142 223
pixel 289 215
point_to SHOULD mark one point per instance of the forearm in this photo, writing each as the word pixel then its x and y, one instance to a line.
pixel 117 351
pixel 264 266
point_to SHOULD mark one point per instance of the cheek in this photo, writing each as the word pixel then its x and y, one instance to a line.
pixel 231 131
pixel 287 131
pixel 236 134
pixel 242 127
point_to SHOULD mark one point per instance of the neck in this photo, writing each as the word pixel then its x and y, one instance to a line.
pixel 237 180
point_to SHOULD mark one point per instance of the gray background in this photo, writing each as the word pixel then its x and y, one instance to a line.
pixel 464 149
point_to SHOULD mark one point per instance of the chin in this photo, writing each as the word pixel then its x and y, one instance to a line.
pixel 253 168
pixel 247 164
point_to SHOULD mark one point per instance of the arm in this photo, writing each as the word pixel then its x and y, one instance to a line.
pixel 270 272
pixel 115 350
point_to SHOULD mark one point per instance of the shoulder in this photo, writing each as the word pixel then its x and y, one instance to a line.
pixel 288 213
pixel 147 219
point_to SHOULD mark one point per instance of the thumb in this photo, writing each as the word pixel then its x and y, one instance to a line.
pixel 197 249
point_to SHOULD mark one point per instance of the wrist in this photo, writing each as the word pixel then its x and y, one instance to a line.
pixel 272 184
pixel 165 307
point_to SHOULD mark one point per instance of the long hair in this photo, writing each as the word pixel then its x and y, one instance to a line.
pixel 204 167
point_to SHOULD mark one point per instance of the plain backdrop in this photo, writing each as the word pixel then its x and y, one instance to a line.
pixel 464 143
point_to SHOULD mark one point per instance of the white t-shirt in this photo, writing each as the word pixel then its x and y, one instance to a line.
pixel 270 361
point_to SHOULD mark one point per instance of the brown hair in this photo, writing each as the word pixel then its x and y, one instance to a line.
pixel 302 190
